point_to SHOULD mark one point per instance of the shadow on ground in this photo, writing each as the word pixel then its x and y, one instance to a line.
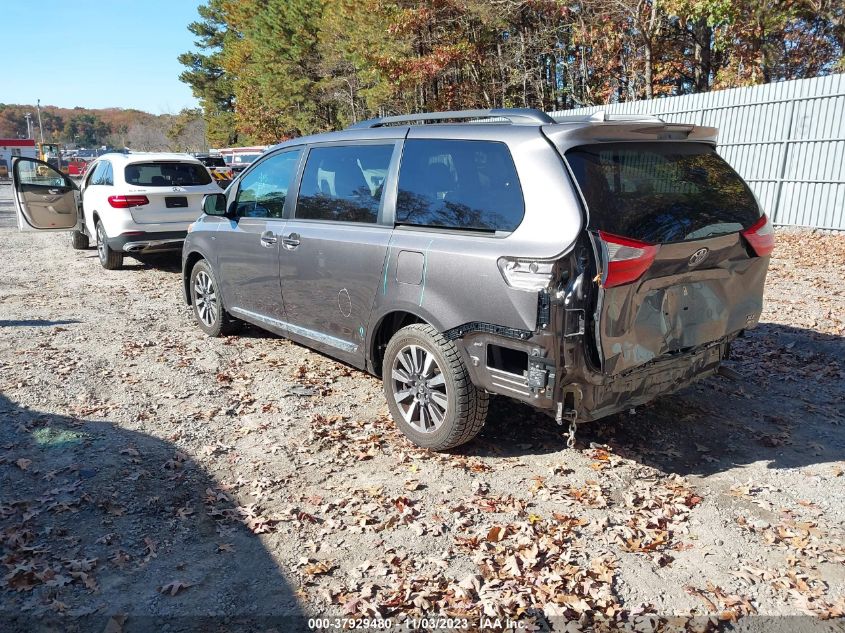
pixel 168 262
pixel 788 409
pixel 99 523
pixel 35 322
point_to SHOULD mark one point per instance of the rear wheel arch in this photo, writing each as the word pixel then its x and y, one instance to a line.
pixel 190 262
pixel 387 326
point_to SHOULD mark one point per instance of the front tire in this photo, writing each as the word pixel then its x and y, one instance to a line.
pixel 207 302
pixel 429 391
pixel 109 259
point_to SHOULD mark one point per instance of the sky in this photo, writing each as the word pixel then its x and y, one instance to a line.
pixel 96 53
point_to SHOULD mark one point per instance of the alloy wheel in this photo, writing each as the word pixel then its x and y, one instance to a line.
pixel 419 388
pixel 101 243
pixel 205 298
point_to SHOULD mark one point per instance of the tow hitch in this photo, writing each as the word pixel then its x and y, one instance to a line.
pixel 567 410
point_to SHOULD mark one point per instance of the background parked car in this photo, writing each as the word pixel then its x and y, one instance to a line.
pixel 126 203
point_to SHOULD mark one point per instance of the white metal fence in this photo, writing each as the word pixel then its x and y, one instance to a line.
pixel 786 139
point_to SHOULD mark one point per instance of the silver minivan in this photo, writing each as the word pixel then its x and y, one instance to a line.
pixel 583 266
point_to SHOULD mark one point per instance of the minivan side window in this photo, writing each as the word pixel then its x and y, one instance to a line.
pixel 459 185
pixel 263 191
pixel 344 183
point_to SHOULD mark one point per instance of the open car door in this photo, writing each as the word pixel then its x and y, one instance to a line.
pixel 45 199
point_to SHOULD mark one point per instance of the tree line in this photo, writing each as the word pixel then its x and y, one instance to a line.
pixel 266 70
pixel 112 127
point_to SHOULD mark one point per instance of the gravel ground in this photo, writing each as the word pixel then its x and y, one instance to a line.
pixel 151 476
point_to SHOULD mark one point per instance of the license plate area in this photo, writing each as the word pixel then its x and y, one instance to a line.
pixel 176 202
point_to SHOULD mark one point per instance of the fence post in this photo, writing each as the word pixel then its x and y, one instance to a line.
pixel 783 162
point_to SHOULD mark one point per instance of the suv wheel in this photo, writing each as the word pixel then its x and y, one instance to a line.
pixel 207 302
pixel 110 260
pixel 428 389
pixel 79 241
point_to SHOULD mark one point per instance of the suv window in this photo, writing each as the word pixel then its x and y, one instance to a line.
pixel 166 174
pixel 344 183
pixel 661 192
pixel 96 173
pixel 459 185
pixel 106 176
pixel 262 192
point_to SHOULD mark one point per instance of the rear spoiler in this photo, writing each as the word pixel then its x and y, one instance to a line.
pixel 565 134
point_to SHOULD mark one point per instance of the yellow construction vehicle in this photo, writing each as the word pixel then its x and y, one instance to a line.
pixel 51 154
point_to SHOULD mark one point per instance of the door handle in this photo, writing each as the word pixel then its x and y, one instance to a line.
pixel 268 238
pixel 54 192
pixel 291 241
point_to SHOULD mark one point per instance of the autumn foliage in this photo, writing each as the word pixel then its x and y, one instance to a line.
pixel 269 69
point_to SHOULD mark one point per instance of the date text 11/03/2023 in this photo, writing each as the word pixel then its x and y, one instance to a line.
pixel 416 624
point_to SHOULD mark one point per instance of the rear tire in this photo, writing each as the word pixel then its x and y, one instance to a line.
pixel 109 259
pixel 207 302
pixel 429 391
pixel 79 241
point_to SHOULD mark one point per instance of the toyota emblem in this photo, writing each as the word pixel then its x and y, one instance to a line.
pixel 698 256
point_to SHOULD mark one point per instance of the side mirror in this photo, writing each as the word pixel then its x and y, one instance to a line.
pixel 214 204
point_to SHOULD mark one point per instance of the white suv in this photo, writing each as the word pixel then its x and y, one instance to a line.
pixel 128 203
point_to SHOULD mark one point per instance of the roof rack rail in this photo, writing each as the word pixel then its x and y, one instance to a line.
pixel 510 115
pixel 602 116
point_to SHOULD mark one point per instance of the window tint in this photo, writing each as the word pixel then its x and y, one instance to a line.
pixel 344 183
pixel 167 174
pixel 661 192
pixel 460 185
pixel 262 192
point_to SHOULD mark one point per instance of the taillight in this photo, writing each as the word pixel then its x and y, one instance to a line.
pixel 761 236
pixel 526 274
pixel 626 259
pixel 124 202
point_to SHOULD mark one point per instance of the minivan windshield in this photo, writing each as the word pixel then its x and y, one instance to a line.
pixel 166 174
pixel 661 192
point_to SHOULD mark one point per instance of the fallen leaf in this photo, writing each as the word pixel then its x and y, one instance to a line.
pixel 319 568
pixel 496 534
pixel 174 587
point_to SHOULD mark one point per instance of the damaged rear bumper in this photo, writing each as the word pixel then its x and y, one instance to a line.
pixel 643 384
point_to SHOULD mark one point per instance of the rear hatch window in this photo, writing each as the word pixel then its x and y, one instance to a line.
pixel 661 192
pixel 167 174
